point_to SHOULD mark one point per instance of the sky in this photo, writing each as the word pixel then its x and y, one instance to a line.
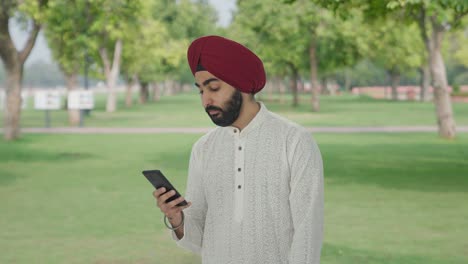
pixel 41 50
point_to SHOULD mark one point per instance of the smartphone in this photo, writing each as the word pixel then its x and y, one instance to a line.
pixel 158 180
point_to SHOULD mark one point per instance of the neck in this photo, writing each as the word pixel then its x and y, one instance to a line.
pixel 249 110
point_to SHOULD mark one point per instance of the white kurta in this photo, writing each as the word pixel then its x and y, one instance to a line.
pixel 257 195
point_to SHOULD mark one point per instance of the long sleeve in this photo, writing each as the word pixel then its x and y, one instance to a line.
pixel 195 214
pixel 306 200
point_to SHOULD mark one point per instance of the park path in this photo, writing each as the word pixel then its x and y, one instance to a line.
pixel 189 130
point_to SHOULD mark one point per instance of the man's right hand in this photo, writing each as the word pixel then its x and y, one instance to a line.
pixel 171 210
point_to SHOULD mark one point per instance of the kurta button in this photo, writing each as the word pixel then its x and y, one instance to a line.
pixel 235 130
pixel 238 187
pixel 239 169
pixel 240 148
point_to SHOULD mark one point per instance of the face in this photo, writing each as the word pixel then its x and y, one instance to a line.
pixel 221 101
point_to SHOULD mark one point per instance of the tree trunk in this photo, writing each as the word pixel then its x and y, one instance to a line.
pixel 424 82
pixel 300 85
pixel 144 92
pixel 168 87
pixel 12 113
pixel 282 91
pixel 128 94
pixel 331 86
pixel 313 76
pixel 130 81
pixel 324 89
pixel 112 73
pixel 395 82
pixel 13 60
pixel 73 114
pixel 443 103
pixel 293 82
pixel 347 80
pixel 156 92
pixel 271 87
pixel 425 67
pixel 178 86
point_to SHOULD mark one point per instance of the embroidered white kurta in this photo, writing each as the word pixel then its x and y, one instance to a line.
pixel 257 194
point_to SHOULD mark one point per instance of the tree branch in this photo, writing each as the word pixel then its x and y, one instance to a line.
pixel 421 19
pixel 7 47
pixel 117 55
pixel 458 17
pixel 105 61
pixel 24 53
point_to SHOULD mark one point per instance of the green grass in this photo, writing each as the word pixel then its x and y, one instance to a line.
pixel 185 110
pixel 389 198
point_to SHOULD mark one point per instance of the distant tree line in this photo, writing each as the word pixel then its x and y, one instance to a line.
pixel 144 43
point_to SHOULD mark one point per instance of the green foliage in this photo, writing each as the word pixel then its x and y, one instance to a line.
pixel 448 13
pixel 282 34
pixel 456 46
pixel 158 43
pixel 35 10
pixel 76 29
pixel 67 33
pixel 394 46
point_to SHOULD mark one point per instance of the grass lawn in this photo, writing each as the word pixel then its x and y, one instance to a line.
pixel 185 110
pixel 389 198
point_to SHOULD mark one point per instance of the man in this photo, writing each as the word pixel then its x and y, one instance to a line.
pixel 255 182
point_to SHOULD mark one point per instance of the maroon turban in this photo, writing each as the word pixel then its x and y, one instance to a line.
pixel 229 61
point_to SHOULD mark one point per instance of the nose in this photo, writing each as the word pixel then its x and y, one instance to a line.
pixel 206 100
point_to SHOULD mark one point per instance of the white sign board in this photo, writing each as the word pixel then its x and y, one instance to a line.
pixel 24 99
pixel 80 99
pixel 47 100
pixel 3 100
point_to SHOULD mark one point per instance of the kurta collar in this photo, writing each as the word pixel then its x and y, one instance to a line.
pixel 255 122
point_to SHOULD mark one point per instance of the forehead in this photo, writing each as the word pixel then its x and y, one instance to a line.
pixel 201 76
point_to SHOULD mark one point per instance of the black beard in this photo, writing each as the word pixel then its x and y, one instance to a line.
pixel 230 115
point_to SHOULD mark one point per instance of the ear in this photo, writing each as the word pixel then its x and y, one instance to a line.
pixel 247 96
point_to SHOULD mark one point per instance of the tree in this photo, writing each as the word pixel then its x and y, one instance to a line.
pixel 110 22
pixel 13 60
pixel 185 20
pixel 395 47
pixel 442 16
pixel 272 30
pixel 438 17
pixel 66 32
pixel 297 37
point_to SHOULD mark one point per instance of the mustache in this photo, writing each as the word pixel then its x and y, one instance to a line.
pixel 213 108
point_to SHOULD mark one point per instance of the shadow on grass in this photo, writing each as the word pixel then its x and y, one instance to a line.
pixel 172 160
pixel 20 152
pixel 420 167
pixel 25 154
pixel 7 177
pixel 339 254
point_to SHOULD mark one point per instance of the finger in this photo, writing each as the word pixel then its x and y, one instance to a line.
pixel 166 196
pixel 176 210
pixel 175 202
pixel 162 200
pixel 181 208
pixel 185 206
pixel 159 191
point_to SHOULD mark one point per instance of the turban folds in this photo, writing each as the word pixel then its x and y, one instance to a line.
pixel 229 61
